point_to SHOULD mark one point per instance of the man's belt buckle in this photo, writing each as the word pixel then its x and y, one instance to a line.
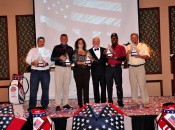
pixel 112 65
pixel 136 65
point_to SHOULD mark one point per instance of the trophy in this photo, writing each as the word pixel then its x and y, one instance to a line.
pixel 40 61
pixel 89 59
pixel 109 52
pixel 134 51
pixel 67 61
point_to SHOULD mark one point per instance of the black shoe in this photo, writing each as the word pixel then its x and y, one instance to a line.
pixel 110 102
pixel 58 108
pixel 30 108
pixel 120 104
pixel 67 106
pixel 80 106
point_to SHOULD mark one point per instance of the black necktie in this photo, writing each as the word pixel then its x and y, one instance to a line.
pixel 96 49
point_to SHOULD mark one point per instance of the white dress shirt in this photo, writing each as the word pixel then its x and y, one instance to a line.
pixel 143 50
pixel 34 53
pixel 97 52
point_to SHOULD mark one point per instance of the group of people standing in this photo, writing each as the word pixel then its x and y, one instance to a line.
pixel 103 64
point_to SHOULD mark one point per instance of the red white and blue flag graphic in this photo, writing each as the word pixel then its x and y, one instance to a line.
pixel 99 117
pixel 11 117
pixel 6 110
pixel 81 12
pixel 166 119
pixel 11 123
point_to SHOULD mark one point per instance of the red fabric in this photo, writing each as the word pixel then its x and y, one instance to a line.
pixel 79 110
pixel 117 109
pixel 38 111
pixel 17 76
pixel 16 124
pixel 169 107
pixel 46 125
pixel 119 52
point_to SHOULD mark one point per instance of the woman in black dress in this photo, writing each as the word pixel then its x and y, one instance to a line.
pixel 81 71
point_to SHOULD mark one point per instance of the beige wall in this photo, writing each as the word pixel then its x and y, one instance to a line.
pixel 11 8
pixel 166 75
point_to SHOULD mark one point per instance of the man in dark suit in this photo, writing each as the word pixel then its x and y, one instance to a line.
pixel 98 71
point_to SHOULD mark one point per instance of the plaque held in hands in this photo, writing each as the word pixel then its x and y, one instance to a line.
pixel 40 61
pixel 67 61
pixel 89 59
pixel 109 52
pixel 134 51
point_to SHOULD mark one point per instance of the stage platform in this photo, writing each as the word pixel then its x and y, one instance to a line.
pixel 142 118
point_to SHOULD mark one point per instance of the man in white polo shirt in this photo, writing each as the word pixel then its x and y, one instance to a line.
pixel 137 53
pixel 39 59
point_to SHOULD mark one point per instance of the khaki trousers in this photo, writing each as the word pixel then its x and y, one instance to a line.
pixel 138 79
pixel 62 82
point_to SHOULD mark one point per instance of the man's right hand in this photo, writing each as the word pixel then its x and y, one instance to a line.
pixel 34 63
pixel 62 57
pixel 129 52
pixel 105 51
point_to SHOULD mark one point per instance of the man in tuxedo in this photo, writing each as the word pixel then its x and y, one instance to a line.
pixel 98 70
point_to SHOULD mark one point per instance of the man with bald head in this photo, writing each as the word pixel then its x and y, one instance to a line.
pixel 98 71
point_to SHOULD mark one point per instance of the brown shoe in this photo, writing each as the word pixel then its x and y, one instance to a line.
pixel 134 103
pixel 58 108
pixel 146 105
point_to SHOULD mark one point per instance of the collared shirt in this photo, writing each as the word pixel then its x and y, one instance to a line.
pixel 143 50
pixel 33 55
pixel 119 52
pixel 97 52
pixel 61 50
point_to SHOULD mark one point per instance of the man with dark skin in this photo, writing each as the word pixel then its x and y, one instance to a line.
pixel 114 70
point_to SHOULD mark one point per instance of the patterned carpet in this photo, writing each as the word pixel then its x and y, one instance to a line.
pixel 154 109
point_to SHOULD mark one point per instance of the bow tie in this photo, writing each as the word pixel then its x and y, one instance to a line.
pixel 96 49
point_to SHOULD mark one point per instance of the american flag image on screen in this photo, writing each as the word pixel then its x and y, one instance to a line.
pixel 81 12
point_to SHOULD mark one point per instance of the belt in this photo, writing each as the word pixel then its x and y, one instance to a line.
pixel 39 70
pixel 136 65
pixel 114 65
pixel 81 66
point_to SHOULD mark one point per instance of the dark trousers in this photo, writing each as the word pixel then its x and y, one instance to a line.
pixel 37 76
pixel 82 76
pixel 114 73
pixel 98 77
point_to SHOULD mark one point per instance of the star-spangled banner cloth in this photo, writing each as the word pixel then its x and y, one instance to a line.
pixel 11 116
pixel 99 117
pixel 40 120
